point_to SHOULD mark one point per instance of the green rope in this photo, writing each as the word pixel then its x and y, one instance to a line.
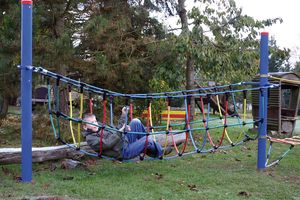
pixel 49 109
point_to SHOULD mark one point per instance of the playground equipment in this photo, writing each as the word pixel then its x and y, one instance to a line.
pixel 283 102
pixel 26 103
pixel 293 141
pixel 108 115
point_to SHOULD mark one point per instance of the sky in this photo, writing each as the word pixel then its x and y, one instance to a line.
pixel 287 34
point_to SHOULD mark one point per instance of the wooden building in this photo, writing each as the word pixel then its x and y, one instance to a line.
pixel 283 102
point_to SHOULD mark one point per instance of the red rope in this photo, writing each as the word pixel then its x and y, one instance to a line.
pixel 225 124
pixel 130 111
pixel 102 129
pixel 186 133
pixel 170 129
pixel 91 105
pixel 148 130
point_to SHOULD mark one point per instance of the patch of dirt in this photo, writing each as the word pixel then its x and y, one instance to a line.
pixel 157 176
pixel 193 187
pixel 292 179
pixel 244 194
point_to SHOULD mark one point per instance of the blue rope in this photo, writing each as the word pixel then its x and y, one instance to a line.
pixel 206 127
pixel 188 126
pixel 269 153
pixel 142 96
pixel 279 159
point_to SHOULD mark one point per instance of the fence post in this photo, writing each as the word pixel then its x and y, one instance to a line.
pixel 26 90
pixel 263 101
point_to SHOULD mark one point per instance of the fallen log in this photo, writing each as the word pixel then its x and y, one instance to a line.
pixel 41 154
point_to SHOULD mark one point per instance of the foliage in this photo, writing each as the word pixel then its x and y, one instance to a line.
pixel 224 41
pixel 122 46
pixel 279 58
pixel 119 46
pixel 10 49
pixel 297 67
pixel 158 105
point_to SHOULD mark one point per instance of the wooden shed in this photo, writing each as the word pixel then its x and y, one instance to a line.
pixel 283 102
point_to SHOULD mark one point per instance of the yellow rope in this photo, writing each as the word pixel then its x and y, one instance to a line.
pixel 151 124
pixel 220 114
pixel 71 116
pixel 167 128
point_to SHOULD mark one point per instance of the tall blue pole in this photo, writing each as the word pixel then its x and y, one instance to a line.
pixel 263 101
pixel 26 90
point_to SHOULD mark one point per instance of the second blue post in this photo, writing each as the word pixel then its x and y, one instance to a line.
pixel 263 101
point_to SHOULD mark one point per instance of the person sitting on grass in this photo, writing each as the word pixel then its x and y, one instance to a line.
pixel 118 145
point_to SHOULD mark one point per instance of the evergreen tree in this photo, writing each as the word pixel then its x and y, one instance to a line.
pixel 9 54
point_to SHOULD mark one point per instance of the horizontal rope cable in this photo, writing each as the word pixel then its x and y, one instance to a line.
pixel 179 94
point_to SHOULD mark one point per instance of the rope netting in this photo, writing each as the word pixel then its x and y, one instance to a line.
pixel 198 132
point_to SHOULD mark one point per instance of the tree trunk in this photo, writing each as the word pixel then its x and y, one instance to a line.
pixel 183 17
pixel 3 107
pixel 190 80
pixel 190 72
pixel 64 100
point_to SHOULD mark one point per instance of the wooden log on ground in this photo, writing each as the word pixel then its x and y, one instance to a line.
pixel 41 154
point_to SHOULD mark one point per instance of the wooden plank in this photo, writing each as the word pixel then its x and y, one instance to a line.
pixel 296 138
pixel 292 139
pixel 293 143
pixel 284 141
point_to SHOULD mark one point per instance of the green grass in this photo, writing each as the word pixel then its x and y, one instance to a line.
pixel 14 110
pixel 225 174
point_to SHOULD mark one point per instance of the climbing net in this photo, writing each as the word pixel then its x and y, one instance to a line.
pixel 197 131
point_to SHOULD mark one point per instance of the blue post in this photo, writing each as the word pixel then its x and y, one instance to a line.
pixel 26 89
pixel 263 101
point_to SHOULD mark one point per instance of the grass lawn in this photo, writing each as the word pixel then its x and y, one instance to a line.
pixel 225 174
pixel 229 174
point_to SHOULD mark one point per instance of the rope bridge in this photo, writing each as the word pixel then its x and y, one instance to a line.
pixel 26 103
pixel 205 123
